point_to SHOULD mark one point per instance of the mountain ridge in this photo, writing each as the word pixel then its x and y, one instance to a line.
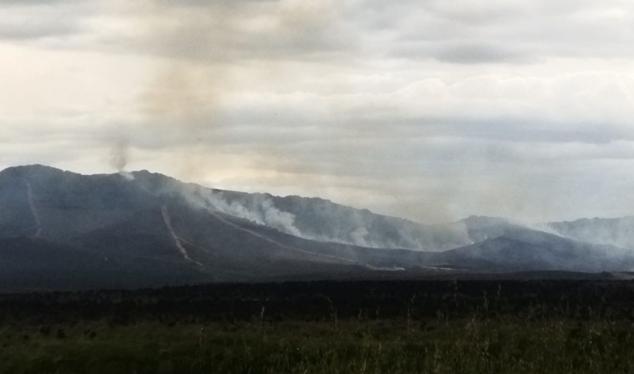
pixel 158 230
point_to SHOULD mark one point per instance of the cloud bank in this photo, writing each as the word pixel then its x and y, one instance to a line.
pixel 431 110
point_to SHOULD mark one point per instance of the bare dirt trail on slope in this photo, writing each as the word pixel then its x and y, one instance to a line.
pixel 34 211
pixel 177 241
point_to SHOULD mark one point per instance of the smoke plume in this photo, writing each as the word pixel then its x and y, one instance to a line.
pixel 260 209
pixel 119 154
pixel 196 48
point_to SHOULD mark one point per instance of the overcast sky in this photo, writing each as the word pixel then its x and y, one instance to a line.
pixel 431 110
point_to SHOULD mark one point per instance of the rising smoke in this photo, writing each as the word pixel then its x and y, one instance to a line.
pixel 197 47
pixel 260 210
pixel 321 220
pixel 119 154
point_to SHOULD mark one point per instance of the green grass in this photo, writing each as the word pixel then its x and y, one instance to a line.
pixel 503 345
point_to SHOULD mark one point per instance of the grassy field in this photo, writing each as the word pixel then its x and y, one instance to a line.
pixel 418 327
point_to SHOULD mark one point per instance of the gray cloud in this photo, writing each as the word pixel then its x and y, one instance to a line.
pixel 22 3
pixel 25 31
pixel 431 110
pixel 478 53
pixel 229 31
pixel 24 21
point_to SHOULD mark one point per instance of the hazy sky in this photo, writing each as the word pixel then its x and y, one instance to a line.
pixel 431 110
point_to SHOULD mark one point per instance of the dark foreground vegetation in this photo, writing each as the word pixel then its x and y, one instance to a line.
pixel 570 326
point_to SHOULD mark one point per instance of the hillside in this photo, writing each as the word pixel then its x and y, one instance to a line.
pixel 62 229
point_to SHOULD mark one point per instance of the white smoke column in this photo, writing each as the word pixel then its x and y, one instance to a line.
pixel 278 219
pixel 262 212
pixel 359 237
pixel 119 154
pixel 317 256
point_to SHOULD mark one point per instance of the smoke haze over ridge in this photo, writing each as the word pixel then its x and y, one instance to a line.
pixel 431 111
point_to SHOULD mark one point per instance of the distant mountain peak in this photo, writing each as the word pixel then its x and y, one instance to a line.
pixel 30 169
